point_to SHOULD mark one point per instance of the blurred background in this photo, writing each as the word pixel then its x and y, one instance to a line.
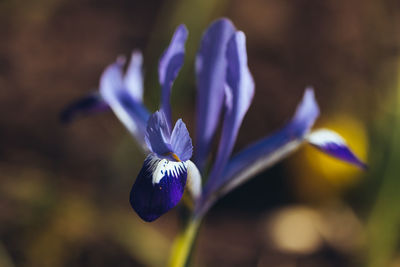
pixel 64 188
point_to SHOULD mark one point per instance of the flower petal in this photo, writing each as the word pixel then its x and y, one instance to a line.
pixel 270 150
pixel 89 104
pixel 129 110
pixel 170 64
pixel 240 86
pixel 334 145
pixel 193 180
pixel 134 76
pixel 158 188
pixel 210 71
pixel 264 153
pixel 181 143
pixel 158 134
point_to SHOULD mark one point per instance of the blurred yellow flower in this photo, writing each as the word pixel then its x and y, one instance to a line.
pixel 318 175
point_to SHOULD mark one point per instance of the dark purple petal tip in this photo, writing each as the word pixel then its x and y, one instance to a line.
pixel 87 105
pixel 334 145
pixel 158 188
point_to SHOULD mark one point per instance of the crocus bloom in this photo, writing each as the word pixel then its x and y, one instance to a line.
pixel 224 86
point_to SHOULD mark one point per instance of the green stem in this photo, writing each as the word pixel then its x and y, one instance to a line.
pixel 183 244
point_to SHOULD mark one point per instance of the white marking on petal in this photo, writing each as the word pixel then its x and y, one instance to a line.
pixel 322 137
pixel 333 144
pixel 167 167
pixel 193 182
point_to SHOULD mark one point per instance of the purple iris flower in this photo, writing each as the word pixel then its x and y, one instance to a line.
pixel 225 89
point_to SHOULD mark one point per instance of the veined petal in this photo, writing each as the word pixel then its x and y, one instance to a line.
pixel 210 71
pixel 158 188
pixel 181 143
pixel 240 86
pixel 264 153
pixel 334 145
pixel 170 64
pixel 158 134
pixel 90 104
pixel 134 76
pixel 130 111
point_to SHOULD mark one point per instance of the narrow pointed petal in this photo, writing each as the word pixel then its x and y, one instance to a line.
pixel 240 92
pixel 334 145
pixel 158 188
pixel 130 111
pixel 158 134
pixel 181 143
pixel 134 76
pixel 306 114
pixel 271 149
pixel 264 153
pixel 170 64
pixel 210 71
pixel 87 105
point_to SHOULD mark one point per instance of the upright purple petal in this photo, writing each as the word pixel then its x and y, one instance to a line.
pixel 158 134
pixel 306 114
pixel 264 153
pixel 90 104
pixel 181 142
pixel 240 86
pixel 334 145
pixel 134 76
pixel 158 188
pixel 129 110
pixel 210 71
pixel 170 64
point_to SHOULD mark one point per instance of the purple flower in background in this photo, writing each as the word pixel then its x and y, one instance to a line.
pixel 225 89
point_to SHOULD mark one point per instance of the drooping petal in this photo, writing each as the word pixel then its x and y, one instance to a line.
pixel 266 152
pixel 334 145
pixel 158 134
pixel 158 188
pixel 170 64
pixel 181 143
pixel 134 76
pixel 90 104
pixel 240 92
pixel 129 110
pixel 210 72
